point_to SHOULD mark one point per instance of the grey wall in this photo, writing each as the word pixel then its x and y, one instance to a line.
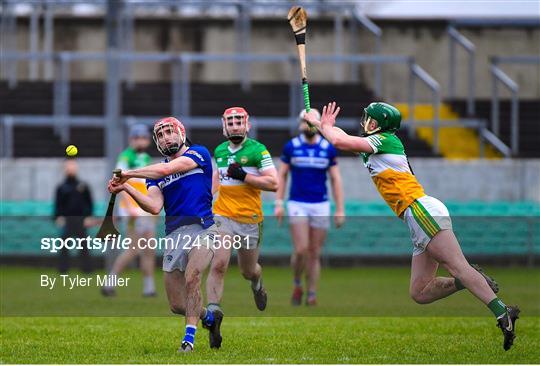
pixel 427 41
pixel 479 180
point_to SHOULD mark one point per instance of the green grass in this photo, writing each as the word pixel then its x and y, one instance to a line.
pixel 364 316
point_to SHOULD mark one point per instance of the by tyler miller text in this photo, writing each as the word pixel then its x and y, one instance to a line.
pixel 73 281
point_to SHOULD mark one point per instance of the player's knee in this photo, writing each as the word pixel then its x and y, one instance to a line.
pixel 314 254
pixel 301 251
pixel 177 308
pixel 219 268
pixel 249 273
pixel 417 296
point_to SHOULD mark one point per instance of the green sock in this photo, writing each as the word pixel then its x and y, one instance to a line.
pixel 458 284
pixel 497 307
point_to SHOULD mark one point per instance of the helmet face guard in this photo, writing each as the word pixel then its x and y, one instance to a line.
pixel 232 118
pixel 169 136
pixel 388 118
pixel 365 124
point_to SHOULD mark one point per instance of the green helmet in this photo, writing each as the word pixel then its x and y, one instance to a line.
pixel 387 116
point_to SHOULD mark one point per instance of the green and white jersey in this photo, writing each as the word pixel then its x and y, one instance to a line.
pixel 236 199
pixel 131 159
pixel 391 172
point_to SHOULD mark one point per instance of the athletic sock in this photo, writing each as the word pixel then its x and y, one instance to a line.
pixel 297 282
pixel 497 307
pixel 111 274
pixel 148 285
pixel 459 285
pixel 256 285
pixel 208 318
pixel 311 294
pixel 190 334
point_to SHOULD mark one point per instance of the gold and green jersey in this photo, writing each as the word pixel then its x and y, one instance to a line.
pixel 236 199
pixel 131 159
pixel 391 172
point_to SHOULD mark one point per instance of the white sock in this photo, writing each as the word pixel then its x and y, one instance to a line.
pixel 256 285
pixel 148 283
pixel 111 273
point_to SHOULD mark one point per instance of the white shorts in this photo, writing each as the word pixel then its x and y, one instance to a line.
pixel 185 238
pixel 425 217
pixel 238 234
pixel 316 214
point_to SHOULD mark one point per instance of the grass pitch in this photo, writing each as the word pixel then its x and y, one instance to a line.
pixel 364 316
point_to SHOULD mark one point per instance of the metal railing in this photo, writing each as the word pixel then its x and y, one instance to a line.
pixel 467 45
pixel 433 85
pixel 180 86
pixel 377 32
pixel 500 77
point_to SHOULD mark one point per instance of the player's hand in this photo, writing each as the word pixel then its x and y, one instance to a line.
pixel 60 221
pixel 91 221
pixel 235 171
pixel 339 219
pixel 279 212
pixel 311 118
pixel 115 187
pixel 329 114
pixel 120 178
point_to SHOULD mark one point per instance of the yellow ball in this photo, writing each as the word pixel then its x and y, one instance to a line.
pixel 71 150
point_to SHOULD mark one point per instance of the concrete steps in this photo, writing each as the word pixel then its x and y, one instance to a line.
pixel 455 142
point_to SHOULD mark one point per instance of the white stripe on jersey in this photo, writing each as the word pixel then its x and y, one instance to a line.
pixel 310 162
pixel 374 142
pixel 225 180
pixel 378 163
pixel 324 144
pixel 176 176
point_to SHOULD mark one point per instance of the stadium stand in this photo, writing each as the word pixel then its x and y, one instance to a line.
pixel 529 126
pixel 456 141
pixel 153 99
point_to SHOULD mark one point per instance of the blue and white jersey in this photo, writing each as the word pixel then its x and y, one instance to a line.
pixel 188 196
pixel 309 164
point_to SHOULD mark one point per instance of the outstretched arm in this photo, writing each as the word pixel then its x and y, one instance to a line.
pixel 156 171
pixel 335 135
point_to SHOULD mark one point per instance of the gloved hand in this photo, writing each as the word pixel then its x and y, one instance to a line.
pixel 235 171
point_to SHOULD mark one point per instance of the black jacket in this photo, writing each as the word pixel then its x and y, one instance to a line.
pixel 74 202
